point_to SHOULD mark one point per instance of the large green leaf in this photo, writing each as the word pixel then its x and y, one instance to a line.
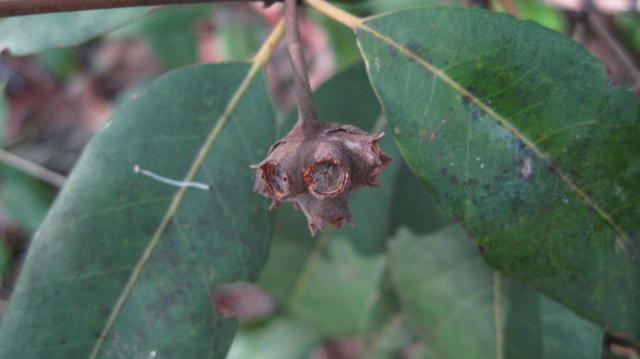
pixel 515 131
pixel 123 265
pixel 26 35
pixel 466 310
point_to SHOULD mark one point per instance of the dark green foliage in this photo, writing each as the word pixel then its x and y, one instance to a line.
pixel 506 128
pixel 524 144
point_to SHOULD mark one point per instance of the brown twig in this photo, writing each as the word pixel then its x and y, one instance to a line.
pixel 307 117
pixel 30 7
pixel 32 169
pixel 597 24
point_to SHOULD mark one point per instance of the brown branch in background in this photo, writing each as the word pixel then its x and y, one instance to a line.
pixel 32 169
pixel 509 7
pixel 307 117
pixel 597 24
pixel 30 7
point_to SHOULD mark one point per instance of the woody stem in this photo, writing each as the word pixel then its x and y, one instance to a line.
pixel 29 7
pixel 306 112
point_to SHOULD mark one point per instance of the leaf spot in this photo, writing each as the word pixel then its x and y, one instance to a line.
pixel 527 167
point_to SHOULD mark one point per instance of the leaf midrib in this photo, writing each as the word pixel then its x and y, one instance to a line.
pixel 260 59
pixel 175 203
pixel 356 23
pixel 497 117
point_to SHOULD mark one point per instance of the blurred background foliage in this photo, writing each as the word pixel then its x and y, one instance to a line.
pixel 325 297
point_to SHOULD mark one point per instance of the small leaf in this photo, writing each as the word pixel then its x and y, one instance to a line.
pixel 514 130
pixel 171 32
pixel 344 46
pixel 392 338
pixel 542 14
pixel 27 35
pixel 5 259
pixel 335 291
pixel 124 265
pixel 380 6
pixel 236 40
pixel 26 199
pixel 4 111
pixel 446 289
pixel 281 338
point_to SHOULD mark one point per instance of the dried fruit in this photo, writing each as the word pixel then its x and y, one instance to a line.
pixel 316 169
pixel 317 164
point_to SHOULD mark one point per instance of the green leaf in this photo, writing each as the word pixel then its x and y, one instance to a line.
pixel 124 265
pixel 171 32
pixel 58 61
pixel 446 289
pixel 27 35
pixel 514 130
pixel 392 338
pixel 237 40
pixel 380 6
pixel 542 14
pixel 26 199
pixel 281 338
pixel 412 206
pixel 336 289
pixel 4 111
pixel 5 259
pixel 627 29
pixel 323 281
pixel 345 48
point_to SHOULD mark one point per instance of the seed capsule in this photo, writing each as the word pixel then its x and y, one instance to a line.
pixel 318 171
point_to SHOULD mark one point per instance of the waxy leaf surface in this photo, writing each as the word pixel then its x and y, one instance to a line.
pixel 446 289
pixel 125 266
pixel 30 34
pixel 517 133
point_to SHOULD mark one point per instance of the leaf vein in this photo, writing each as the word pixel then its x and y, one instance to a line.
pixel 261 58
pixel 497 117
